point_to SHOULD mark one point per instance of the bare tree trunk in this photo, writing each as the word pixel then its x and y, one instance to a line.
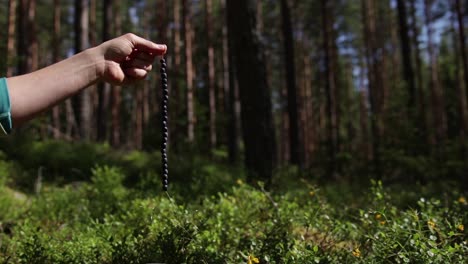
pixel 284 143
pixel 364 124
pixel 22 37
pixel 330 86
pixel 82 101
pixel 211 74
pixel 460 88
pixel 56 41
pixel 421 97
pixel 33 47
pixel 11 36
pixel 103 89
pixel 257 119
pixel 461 38
pixel 369 20
pixel 116 92
pixel 439 118
pixel 189 70
pixel 93 92
pixel 408 72
pixel 309 126
pixel 289 63
pixel 230 91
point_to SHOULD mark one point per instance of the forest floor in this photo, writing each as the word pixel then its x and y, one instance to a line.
pixel 114 212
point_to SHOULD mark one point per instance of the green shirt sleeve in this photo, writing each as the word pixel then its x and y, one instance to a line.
pixel 5 115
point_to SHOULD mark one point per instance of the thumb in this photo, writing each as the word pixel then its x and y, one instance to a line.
pixel 146 45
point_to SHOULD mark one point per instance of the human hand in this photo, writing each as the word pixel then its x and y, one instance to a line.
pixel 127 58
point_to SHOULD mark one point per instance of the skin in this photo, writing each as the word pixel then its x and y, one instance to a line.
pixel 120 61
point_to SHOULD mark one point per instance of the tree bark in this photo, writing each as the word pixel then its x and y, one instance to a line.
pixel 229 91
pixel 461 38
pixel 460 88
pixel 56 41
pixel 257 119
pixel 11 36
pixel 187 10
pixel 330 85
pixel 406 51
pixel 82 102
pixel 116 93
pixel 103 89
pixel 369 22
pixel 438 117
pixel 211 73
pixel 421 97
pixel 289 63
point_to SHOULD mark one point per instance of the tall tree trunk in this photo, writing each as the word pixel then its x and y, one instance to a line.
pixel 92 23
pixel 211 73
pixel 116 93
pixel 460 88
pixel 438 117
pixel 33 46
pixel 289 63
pixel 461 38
pixel 177 108
pixel 309 126
pixel 11 36
pixel 229 91
pixel 369 22
pixel 103 89
pixel 408 72
pixel 421 97
pixel 82 100
pixel 147 98
pixel 257 118
pixel 330 85
pixel 187 10
pixel 56 41
pixel 23 37
pixel 93 92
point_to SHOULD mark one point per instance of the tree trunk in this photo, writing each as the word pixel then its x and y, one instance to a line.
pixel 103 89
pixel 421 97
pixel 257 119
pixel 438 116
pixel 461 38
pixel 370 41
pixel 460 88
pixel 211 73
pixel 330 85
pixel 408 72
pixel 11 37
pixel 289 63
pixel 82 101
pixel 116 93
pixel 56 41
pixel 309 126
pixel 229 91
pixel 186 5
pixel 23 37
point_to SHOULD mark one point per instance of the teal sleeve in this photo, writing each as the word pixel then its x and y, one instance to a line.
pixel 5 115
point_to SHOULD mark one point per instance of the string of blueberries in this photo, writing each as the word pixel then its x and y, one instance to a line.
pixel 164 106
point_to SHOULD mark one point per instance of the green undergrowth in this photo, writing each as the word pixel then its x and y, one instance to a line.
pixel 104 222
pixel 113 211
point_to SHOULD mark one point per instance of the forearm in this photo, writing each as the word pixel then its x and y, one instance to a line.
pixel 35 92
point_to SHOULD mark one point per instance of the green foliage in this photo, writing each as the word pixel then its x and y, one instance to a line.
pixel 103 222
pixel 118 214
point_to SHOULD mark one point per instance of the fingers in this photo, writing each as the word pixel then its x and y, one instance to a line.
pixel 139 64
pixel 135 73
pixel 146 45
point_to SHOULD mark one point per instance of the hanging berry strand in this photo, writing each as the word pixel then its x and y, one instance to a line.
pixel 165 131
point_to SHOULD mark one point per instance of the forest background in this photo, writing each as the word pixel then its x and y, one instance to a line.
pixel 287 96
